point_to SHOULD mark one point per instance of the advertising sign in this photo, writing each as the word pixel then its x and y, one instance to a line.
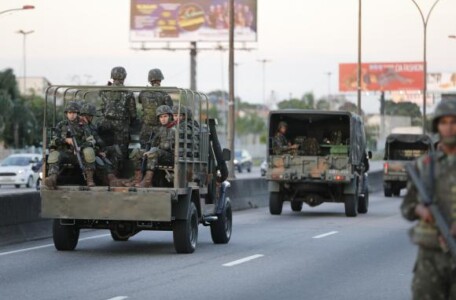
pixel 194 20
pixel 441 82
pixel 401 76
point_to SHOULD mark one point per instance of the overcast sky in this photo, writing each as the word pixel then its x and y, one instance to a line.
pixel 304 40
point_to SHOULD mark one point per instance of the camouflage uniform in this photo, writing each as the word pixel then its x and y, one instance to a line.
pixel 61 152
pixel 280 142
pixel 434 276
pixel 119 111
pixel 188 127
pixel 150 101
pixel 161 152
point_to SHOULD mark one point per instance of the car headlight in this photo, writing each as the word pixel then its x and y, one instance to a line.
pixel 235 161
pixel 20 172
pixel 41 175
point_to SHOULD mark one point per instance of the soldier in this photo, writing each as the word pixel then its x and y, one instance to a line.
pixel 434 269
pixel 62 147
pixel 150 101
pixel 280 144
pixel 119 112
pixel 162 151
pixel 106 167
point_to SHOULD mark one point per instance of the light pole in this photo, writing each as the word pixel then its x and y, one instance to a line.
pixel 359 60
pixel 425 22
pixel 329 83
pixel 24 35
pixel 264 61
pixel 25 7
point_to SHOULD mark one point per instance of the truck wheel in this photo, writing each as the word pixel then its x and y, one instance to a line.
pixel 397 192
pixel 351 203
pixel 65 236
pixel 221 229
pixel 185 232
pixel 119 237
pixel 275 203
pixel 363 205
pixel 387 192
pixel 296 206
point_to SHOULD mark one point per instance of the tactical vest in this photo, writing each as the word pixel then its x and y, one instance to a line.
pixel 442 187
pixel 150 100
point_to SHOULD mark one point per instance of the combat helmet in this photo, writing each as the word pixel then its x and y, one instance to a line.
pixel 118 73
pixel 164 109
pixel 175 110
pixel 88 109
pixel 72 106
pixel 445 108
pixel 282 124
pixel 155 74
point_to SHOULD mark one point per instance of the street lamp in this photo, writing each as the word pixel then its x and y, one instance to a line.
pixel 425 22
pixel 24 34
pixel 329 83
pixel 264 61
pixel 25 7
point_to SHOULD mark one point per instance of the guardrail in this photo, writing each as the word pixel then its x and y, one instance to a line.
pixel 20 213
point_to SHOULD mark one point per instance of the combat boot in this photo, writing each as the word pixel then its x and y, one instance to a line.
pixel 137 178
pixel 147 180
pixel 89 178
pixel 114 181
pixel 51 182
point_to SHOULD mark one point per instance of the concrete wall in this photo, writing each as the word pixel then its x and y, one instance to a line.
pixel 20 213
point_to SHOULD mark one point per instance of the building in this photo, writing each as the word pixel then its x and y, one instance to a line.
pixel 33 86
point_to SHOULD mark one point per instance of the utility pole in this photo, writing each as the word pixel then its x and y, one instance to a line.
pixel 359 59
pixel 231 107
pixel 193 53
pixel 24 34
pixel 263 62
pixel 329 83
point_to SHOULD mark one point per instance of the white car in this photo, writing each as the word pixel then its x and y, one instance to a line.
pixel 17 170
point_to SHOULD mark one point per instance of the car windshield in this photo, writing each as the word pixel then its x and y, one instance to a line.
pixel 16 161
pixel 238 154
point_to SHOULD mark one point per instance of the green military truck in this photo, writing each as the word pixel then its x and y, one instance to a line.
pixel 329 165
pixel 191 192
pixel 401 149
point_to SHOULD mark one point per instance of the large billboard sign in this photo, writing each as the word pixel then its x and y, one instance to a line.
pixel 401 76
pixel 191 20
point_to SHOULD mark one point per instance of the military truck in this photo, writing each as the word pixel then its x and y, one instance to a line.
pixel 191 192
pixel 401 149
pixel 329 165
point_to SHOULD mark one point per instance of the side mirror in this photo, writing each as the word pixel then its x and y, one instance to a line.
pixel 226 154
pixel 369 154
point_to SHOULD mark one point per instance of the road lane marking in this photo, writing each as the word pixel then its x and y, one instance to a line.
pixel 324 235
pixel 50 245
pixel 119 298
pixel 242 260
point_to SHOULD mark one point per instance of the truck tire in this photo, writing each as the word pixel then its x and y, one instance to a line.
pixel 397 192
pixel 185 232
pixel 351 202
pixel 387 192
pixel 275 203
pixel 65 236
pixel 119 237
pixel 296 206
pixel 221 229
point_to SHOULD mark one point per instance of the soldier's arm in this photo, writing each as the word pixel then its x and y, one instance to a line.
pixel 410 202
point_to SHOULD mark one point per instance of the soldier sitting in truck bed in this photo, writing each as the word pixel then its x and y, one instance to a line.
pixel 280 144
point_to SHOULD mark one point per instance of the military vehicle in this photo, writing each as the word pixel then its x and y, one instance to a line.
pixel 191 192
pixel 329 165
pixel 401 149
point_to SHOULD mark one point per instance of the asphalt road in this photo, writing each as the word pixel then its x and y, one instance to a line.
pixel 315 254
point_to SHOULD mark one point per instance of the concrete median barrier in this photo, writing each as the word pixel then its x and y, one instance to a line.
pixel 20 213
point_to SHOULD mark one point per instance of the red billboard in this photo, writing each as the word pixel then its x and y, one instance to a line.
pixel 191 20
pixel 401 76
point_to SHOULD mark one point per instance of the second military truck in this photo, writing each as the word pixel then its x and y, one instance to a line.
pixel 328 165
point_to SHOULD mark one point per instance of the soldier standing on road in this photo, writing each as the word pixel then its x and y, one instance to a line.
pixel 150 101
pixel 62 147
pixel 162 150
pixel 434 272
pixel 280 144
pixel 119 112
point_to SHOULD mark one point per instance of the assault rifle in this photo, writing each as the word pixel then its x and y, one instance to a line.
pixel 144 158
pixel 436 214
pixel 77 149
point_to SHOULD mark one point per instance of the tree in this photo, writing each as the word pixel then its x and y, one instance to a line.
pixel 351 107
pixel 323 104
pixel 407 108
pixel 293 103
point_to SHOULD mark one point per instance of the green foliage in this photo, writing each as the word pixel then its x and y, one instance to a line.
pixel 323 104
pixel 408 109
pixel 250 123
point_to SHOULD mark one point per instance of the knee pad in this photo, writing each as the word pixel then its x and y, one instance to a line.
pixel 89 155
pixel 53 157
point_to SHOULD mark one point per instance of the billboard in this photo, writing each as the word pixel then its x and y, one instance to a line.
pixel 400 76
pixel 194 20
pixel 441 82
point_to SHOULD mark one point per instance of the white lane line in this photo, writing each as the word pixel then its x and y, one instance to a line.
pixel 50 245
pixel 119 298
pixel 324 235
pixel 242 260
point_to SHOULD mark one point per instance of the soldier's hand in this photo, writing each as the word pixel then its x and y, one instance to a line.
pixel 295 146
pixel 102 154
pixel 424 213
pixel 69 141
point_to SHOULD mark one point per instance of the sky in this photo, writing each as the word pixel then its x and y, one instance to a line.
pixel 303 40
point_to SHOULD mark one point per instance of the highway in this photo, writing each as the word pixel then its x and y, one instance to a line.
pixel 315 254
